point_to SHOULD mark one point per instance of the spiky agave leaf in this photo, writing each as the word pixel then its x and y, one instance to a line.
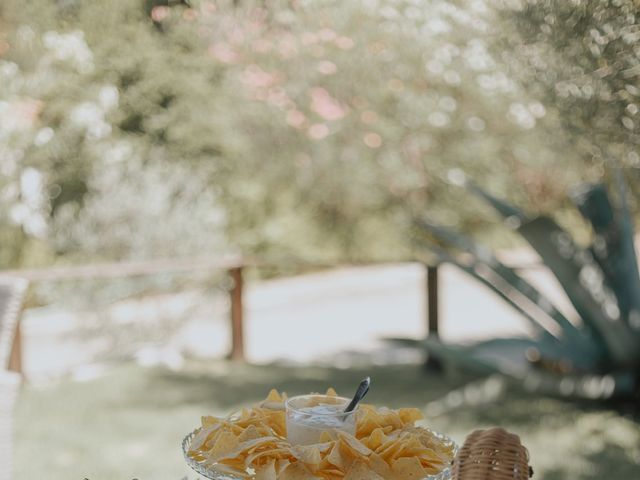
pixel 578 351
pixel 507 210
pixel 580 276
pixel 533 299
pixel 584 282
pixel 613 246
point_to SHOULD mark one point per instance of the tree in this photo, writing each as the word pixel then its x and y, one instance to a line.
pixel 111 137
pixel 355 117
pixel 582 59
pixel 314 131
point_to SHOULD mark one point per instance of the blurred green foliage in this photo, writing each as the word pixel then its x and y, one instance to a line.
pixel 312 129
pixel 583 58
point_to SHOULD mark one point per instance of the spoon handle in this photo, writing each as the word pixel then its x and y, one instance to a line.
pixel 363 388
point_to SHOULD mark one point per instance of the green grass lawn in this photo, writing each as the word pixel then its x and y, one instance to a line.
pixel 129 423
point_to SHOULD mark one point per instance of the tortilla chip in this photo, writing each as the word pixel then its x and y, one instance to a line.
pixel 309 455
pixel 354 444
pixel 331 392
pixel 335 457
pixel 250 433
pixel 409 416
pixel 376 439
pixel 361 471
pixel 203 435
pixel 380 466
pixel 408 468
pixel 225 443
pixel 267 471
pixel 297 471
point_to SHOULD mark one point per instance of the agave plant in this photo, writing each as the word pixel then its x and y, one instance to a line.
pixel 596 357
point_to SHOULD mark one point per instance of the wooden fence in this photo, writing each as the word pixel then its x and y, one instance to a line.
pixel 234 266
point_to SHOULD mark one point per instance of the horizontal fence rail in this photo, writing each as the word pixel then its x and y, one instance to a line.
pixel 130 269
pixel 234 266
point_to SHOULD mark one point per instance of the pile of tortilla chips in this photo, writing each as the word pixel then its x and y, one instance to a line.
pixel 387 446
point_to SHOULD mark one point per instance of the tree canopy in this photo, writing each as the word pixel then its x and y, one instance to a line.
pixel 313 129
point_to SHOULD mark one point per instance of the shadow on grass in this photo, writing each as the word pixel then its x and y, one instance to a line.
pixel 132 409
pixel 230 385
pixel 612 461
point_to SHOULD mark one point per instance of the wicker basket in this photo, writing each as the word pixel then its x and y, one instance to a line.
pixel 492 454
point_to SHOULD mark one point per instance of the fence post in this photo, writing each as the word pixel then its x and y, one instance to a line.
pixel 432 313
pixel 432 300
pixel 236 314
pixel 15 357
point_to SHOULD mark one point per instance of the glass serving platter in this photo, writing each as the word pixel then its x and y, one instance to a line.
pixel 213 474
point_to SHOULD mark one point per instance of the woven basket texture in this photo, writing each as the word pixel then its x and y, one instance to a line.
pixel 492 454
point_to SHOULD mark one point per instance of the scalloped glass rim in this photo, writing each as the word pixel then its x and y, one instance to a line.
pixel 213 474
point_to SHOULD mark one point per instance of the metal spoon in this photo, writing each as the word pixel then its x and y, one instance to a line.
pixel 363 388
